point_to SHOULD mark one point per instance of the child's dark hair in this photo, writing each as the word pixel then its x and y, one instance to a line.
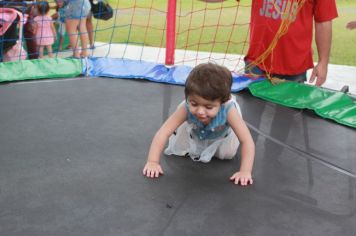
pixel 209 81
pixel 42 7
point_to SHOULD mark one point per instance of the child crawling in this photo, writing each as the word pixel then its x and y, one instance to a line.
pixel 207 124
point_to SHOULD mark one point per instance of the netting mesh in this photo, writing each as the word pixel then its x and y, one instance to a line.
pixel 212 31
pixel 204 31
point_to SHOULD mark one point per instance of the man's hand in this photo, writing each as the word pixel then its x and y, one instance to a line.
pixel 319 73
pixel 152 170
pixel 242 177
pixel 351 25
pixel 323 35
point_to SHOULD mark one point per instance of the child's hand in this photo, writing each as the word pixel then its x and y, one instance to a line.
pixel 242 177
pixel 152 169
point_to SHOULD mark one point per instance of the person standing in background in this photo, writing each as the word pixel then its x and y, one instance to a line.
pixel 76 13
pixel 292 55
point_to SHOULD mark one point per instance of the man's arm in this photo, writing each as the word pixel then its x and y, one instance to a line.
pixel 323 36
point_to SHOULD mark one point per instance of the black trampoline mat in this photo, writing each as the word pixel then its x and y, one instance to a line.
pixel 72 153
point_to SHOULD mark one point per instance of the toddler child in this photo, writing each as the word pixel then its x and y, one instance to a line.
pixel 44 29
pixel 207 124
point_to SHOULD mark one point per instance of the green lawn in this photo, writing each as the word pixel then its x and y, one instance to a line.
pixel 197 31
pixel 344 41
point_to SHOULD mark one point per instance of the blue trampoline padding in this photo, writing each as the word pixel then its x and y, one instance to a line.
pixel 134 69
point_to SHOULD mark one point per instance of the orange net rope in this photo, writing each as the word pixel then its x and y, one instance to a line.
pixel 283 29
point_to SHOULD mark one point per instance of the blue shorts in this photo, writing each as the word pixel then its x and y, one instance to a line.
pixel 77 9
pixel 255 70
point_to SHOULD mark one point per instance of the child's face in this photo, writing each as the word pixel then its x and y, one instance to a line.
pixel 204 110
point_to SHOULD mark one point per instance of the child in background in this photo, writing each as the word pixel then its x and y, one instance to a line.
pixel 44 29
pixel 59 17
pixel 208 123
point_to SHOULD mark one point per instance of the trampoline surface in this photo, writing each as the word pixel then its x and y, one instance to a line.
pixel 72 153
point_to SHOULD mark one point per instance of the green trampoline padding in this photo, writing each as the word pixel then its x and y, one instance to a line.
pixel 327 104
pixel 40 69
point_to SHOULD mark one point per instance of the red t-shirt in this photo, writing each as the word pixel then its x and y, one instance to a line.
pixel 293 52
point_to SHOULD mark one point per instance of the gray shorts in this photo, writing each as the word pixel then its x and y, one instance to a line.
pixel 77 9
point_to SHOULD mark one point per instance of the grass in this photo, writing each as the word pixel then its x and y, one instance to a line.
pixel 196 32
pixel 344 41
